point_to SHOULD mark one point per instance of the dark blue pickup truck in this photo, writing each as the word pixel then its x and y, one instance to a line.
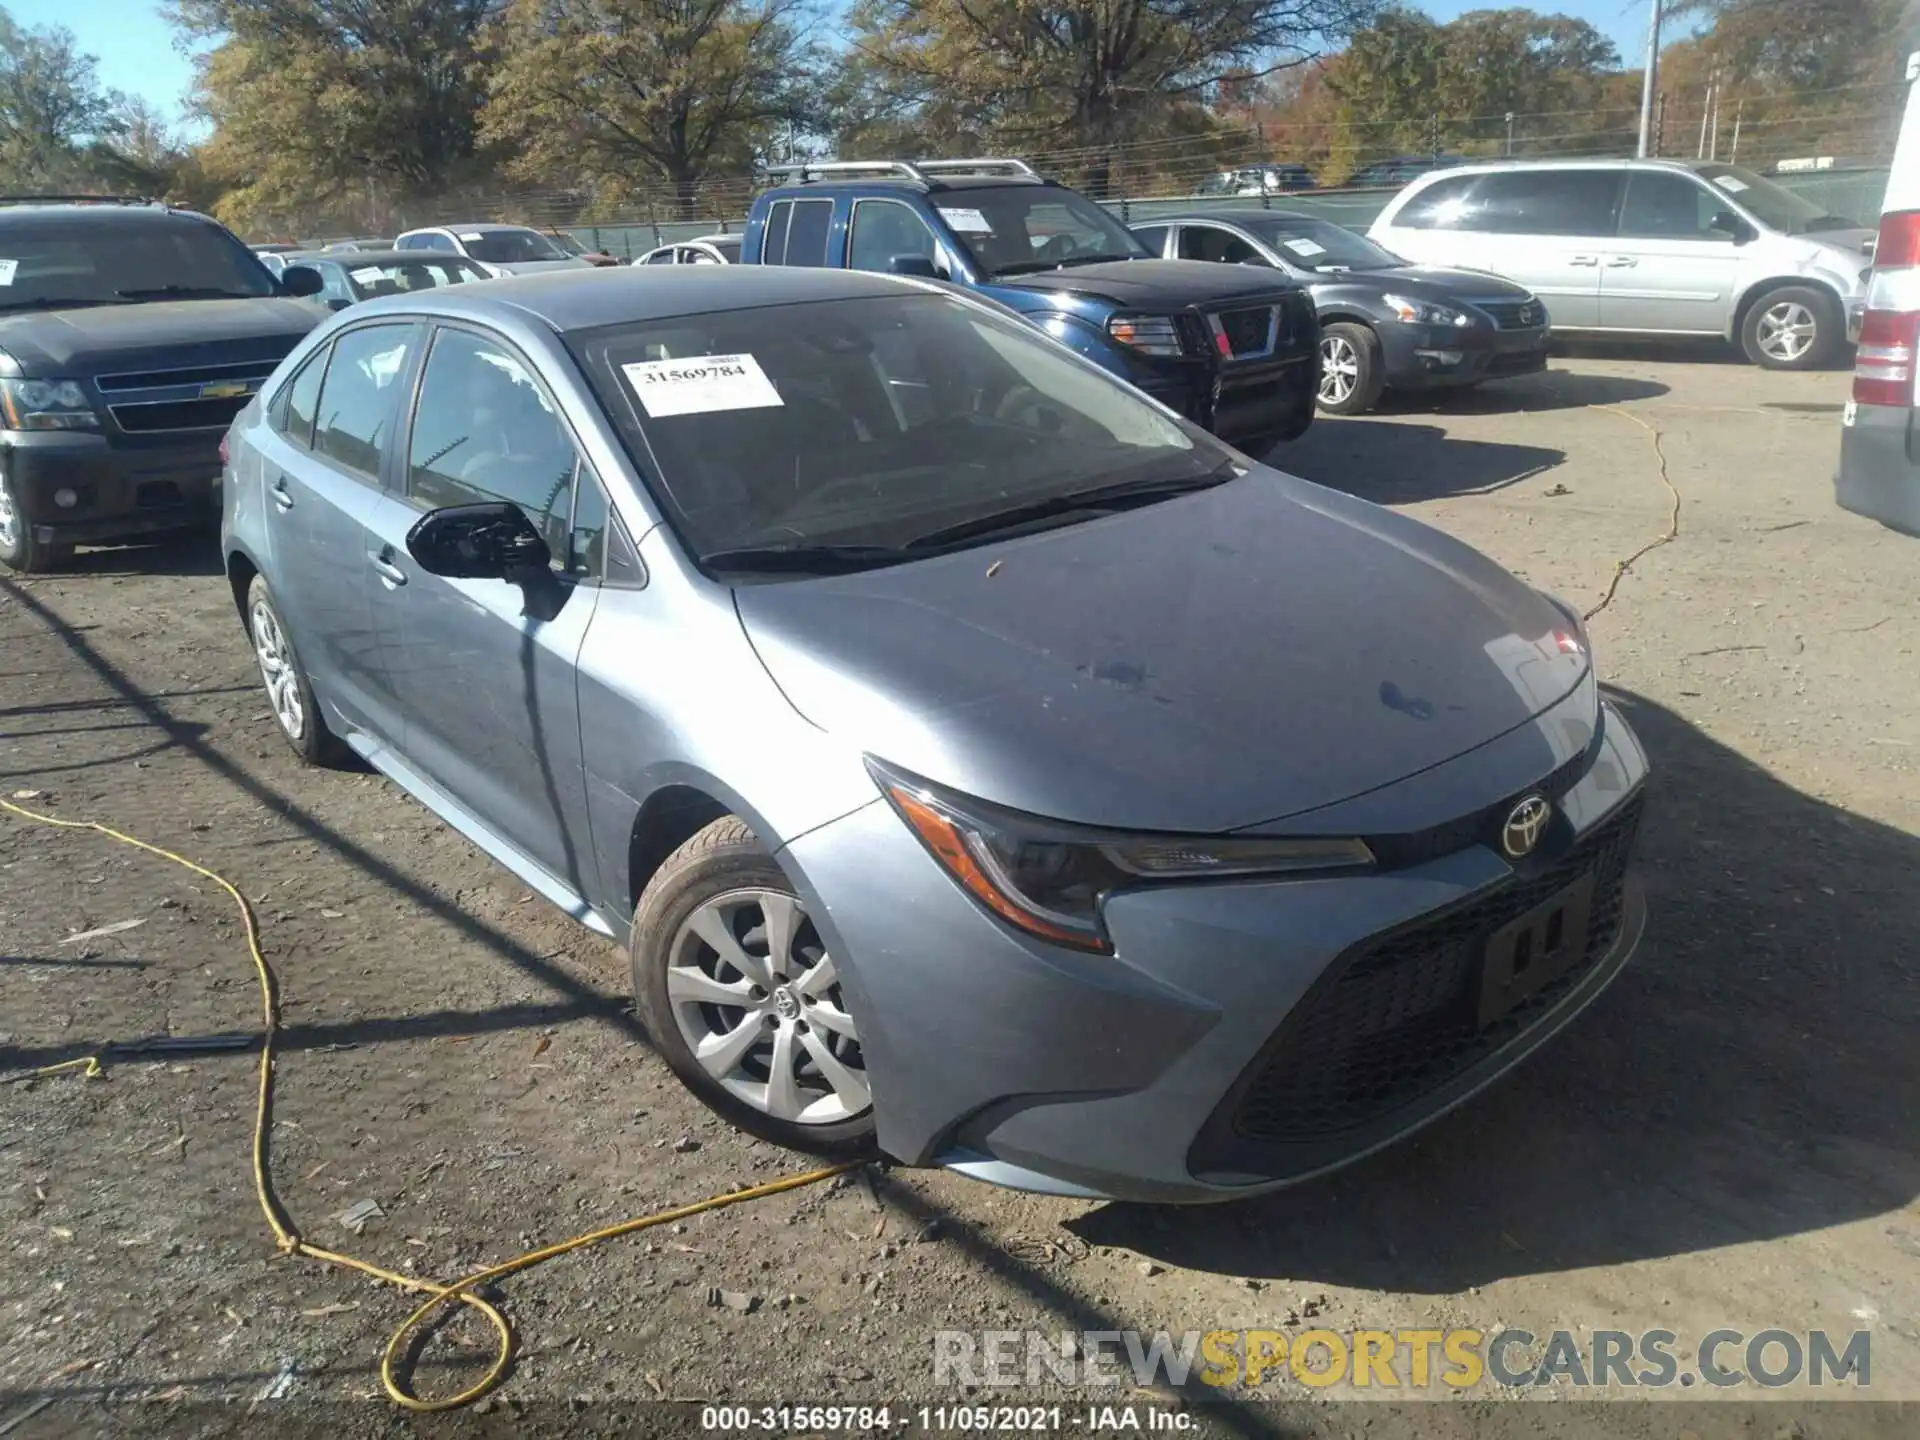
pixel 1237 351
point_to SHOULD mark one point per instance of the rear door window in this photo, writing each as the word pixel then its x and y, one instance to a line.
pixel 807 234
pixel 1544 202
pixel 359 401
pixel 1154 237
pixel 293 408
pixel 773 241
pixel 1438 207
pixel 1210 242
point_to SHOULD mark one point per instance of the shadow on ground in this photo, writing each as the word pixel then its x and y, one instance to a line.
pixel 1391 462
pixel 1748 1077
pixel 197 553
pixel 1550 390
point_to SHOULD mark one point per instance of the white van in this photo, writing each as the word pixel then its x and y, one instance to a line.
pixel 1879 474
pixel 1647 247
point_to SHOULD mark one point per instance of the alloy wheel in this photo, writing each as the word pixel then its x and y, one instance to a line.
pixel 1786 330
pixel 276 669
pixel 758 1002
pixel 1339 369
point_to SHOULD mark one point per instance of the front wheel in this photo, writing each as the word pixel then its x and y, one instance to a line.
pixel 742 999
pixel 1350 380
pixel 1792 328
pixel 19 551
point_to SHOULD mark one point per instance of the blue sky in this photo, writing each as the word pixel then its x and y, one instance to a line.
pixel 137 51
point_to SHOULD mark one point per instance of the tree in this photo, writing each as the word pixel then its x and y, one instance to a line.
pixel 1087 75
pixel 311 100
pixel 52 109
pixel 613 94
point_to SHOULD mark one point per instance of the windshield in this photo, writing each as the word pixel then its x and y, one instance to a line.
pixel 103 261
pixel 729 248
pixel 399 277
pixel 509 247
pixel 1774 206
pixel 1322 246
pixel 871 422
pixel 1015 229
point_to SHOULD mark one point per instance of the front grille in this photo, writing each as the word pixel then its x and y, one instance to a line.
pixel 1248 331
pixel 1480 827
pixel 147 416
pixel 1513 314
pixel 251 371
pixel 1396 1017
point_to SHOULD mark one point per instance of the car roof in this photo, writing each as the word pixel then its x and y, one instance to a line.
pixel 1497 165
pixel 572 300
pixel 1248 217
pixel 24 216
pixel 839 184
pixel 485 227
pixel 380 257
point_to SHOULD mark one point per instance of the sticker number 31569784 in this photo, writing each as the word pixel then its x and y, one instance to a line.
pixel 700 384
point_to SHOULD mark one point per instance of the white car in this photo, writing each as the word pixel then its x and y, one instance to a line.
pixel 703 250
pixel 1647 247
pixel 499 249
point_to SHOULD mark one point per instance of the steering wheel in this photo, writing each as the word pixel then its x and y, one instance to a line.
pixel 1025 406
pixel 1057 248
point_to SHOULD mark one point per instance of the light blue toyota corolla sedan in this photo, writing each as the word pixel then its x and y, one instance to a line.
pixel 979 761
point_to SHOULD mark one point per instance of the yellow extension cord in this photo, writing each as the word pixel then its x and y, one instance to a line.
pixel 289 1239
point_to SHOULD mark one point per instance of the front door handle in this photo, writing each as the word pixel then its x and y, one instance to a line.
pixel 1583 260
pixel 282 497
pixel 391 575
pixel 1620 262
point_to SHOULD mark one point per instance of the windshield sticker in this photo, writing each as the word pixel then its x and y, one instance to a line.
pixel 1731 183
pixel 472 235
pixel 700 386
pixel 7 270
pixel 1305 248
pixel 967 222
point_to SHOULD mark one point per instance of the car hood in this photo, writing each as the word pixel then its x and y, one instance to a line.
pixel 1153 284
pixel 1425 282
pixel 163 334
pixel 534 267
pixel 1209 663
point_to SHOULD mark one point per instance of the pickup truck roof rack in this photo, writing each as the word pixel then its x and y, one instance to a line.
pixel 924 172
pixel 77 200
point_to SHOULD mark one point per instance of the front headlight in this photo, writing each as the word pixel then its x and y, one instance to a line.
pixel 1425 312
pixel 1049 879
pixel 1149 334
pixel 1573 639
pixel 46 405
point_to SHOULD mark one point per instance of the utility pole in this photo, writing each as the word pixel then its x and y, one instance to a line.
pixel 1713 140
pixel 1706 112
pixel 1659 122
pixel 1733 153
pixel 1433 135
pixel 1509 134
pixel 1649 78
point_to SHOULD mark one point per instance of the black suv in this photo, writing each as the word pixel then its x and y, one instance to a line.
pixel 1234 350
pixel 131 333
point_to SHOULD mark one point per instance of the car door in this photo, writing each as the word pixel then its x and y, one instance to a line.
pixel 487 682
pixel 1544 227
pixel 323 472
pixel 1669 269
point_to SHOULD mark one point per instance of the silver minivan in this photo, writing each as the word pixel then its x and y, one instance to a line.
pixel 1647 247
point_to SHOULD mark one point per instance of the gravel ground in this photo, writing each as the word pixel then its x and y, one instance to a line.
pixel 1728 1139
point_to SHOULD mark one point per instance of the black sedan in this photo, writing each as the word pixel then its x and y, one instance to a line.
pixel 1383 323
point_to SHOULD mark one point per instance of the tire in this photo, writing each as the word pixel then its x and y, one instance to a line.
pixel 19 551
pixel 1793 327
pixel 693 1001
pixel 289 692
pixel 1350 379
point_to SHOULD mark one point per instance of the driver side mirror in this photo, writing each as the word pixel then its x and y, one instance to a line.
pixel 480 542
pixel 301 281
pixel 1731 225
pixel 916 265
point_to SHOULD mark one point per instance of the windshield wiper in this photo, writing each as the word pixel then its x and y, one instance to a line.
pixel 1098 259
pixel 187 292
pixel 1099 499
pixel 804 558
pixel 55 302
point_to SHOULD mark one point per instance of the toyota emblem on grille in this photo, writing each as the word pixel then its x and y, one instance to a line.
pixel 1524 826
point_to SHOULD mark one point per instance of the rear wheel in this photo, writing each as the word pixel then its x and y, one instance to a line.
pixel 1350 381
pixel 735 986
pixel 288 690
pixel 1792 328
pixel 19 551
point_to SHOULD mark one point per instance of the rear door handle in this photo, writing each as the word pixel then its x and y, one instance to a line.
pixel 282 497
pixel 391 575
pixel 1620 262
pixel 1583 260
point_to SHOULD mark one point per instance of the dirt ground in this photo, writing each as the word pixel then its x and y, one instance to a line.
pixel 1730 1138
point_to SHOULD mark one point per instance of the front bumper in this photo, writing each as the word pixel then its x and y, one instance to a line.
pixel 1128 1076
pixel 1878 476
pixel 1432 357
pixel 1245 402
pixel 119 492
